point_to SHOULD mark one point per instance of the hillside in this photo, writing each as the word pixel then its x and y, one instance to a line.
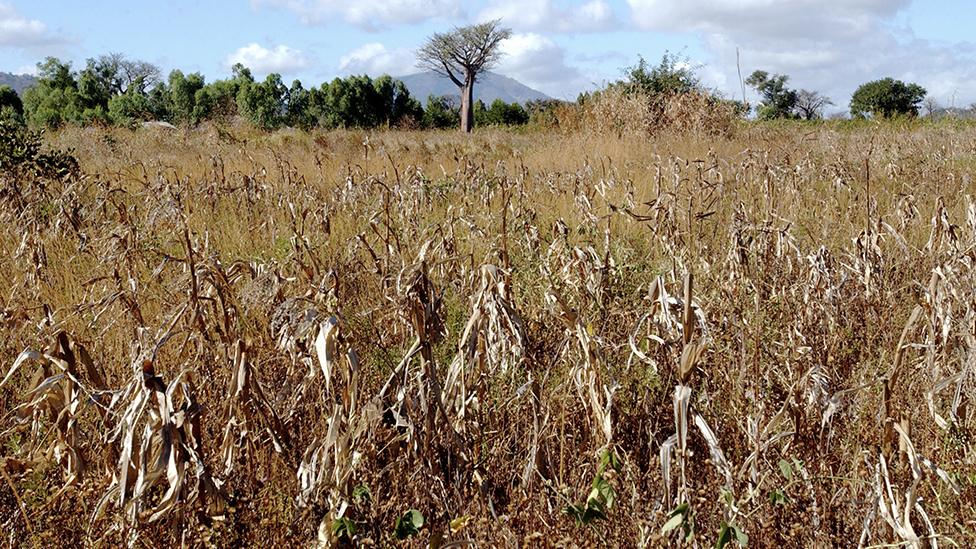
pixel 19 82
pixel 490 86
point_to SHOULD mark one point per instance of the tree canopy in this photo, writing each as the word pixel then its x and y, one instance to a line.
pixel 461 55
pixel 102 93
pixel 673 74
pixel 886 98
pixel 778 101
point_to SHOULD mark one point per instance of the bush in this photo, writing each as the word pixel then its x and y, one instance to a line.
pixel 23 164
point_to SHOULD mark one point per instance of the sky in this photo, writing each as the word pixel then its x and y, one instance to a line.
pixel 558 47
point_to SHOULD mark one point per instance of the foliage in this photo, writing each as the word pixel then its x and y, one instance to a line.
pixel 24 161
pixel 54 99
pixel 130 107
pixel 109 89
pixel 11 107
pixel 408 524
pixel 886 98
pixel 602 496
pixel 500 113
pixel 441 112
pixel 182 96
pixel 263 103
pixel 672 75
pixel 778 101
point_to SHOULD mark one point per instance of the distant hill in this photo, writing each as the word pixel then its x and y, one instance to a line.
pixel 490 86
pixel 19 82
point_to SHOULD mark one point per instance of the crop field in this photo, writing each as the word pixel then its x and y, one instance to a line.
pixel 223 337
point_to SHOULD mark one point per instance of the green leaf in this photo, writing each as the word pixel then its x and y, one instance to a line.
pixel 344 528
pixel 777 497
pixel 740 537
pixel 409 524
pixel 724 536
pixel 784 467
pixel 361 495
pixel 672 523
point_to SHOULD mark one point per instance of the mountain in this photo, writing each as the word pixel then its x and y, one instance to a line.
pixel 19 82
pixel 490 86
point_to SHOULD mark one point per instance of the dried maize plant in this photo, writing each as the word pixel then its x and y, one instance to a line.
pixel 895 508
pixel 492 344
pixel 157 438
pixel 658 333
pixel 33 255
pixel 944 236
pixel 330 462
pixel 249 418
pixel 420 398
pixel 584 271
pixel 740 244
pixel 676 446
pixel 950 345
pixel 65 384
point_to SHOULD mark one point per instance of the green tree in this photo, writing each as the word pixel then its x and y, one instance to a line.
pixel 54 99
pixel 500 113
pixel 394 103
pixel 462 55
pixel 182 96
pixel 263 104
pixel 11 107
pixel 886 98
pixel 778 101
pixel 441 112
pixel 159 103
pixel 298 107
pixel 672 75
pixel 95 87
pixel 130 107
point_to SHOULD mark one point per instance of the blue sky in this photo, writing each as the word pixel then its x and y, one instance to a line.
pixel 559 47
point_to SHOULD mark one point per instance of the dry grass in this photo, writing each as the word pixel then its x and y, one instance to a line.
pixel 219 337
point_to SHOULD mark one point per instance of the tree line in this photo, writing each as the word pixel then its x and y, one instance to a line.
pixel 114 90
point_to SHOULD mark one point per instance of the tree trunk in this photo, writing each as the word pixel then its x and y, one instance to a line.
pixel 467 104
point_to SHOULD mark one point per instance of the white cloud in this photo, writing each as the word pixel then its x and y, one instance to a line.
pixel 369 14
pixel 30 70
pixel 538 62
pixel 17 31
pixel 827 45
pixel 261 60
pixel 375 59
pixel 544 16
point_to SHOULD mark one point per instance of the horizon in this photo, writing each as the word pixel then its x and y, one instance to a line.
pixel 558 48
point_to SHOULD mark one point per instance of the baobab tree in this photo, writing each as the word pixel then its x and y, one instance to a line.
pixel 461 55
pixel 811 104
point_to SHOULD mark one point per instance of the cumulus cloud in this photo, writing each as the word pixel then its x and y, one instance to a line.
pixel 368 14
pixel 261 60
pixel 375 59
pixel 827 45
pixel 17 31
pixel 538 62
pixel 545 16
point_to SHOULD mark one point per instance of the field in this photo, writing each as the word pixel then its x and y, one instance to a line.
pixel 221 337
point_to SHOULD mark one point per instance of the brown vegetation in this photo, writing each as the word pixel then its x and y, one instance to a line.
pixel 218 337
